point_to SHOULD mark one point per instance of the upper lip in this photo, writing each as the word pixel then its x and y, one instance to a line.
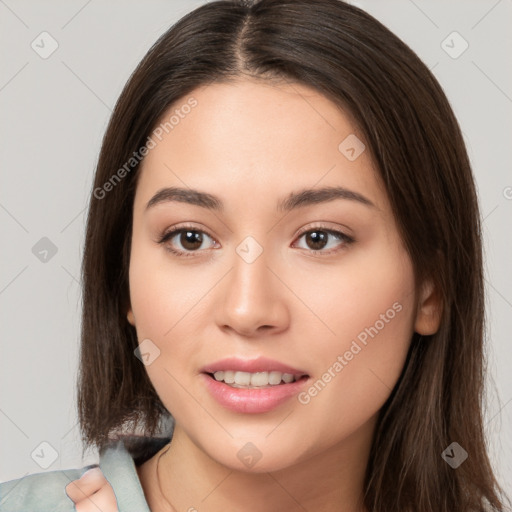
pixel 260 364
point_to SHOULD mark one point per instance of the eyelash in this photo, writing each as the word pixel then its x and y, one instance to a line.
pixel 164 237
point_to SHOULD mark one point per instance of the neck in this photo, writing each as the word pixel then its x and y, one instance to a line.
pixel 188 479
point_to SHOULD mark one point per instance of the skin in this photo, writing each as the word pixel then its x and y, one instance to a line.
pixel 92 492
pixel 252 144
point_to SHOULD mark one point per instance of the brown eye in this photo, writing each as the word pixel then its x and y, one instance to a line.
pixel 191 240
pixel 185 241
pixel 316 240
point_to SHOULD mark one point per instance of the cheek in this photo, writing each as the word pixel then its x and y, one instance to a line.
pixel 162 295
pixel 371 309
pixel 370 290
pixel 168 305
pixel 162 303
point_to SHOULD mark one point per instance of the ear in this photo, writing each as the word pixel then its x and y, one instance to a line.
pixel 429 309
pixel 131 318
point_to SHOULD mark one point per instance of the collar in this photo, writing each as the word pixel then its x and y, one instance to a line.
pixel 119 469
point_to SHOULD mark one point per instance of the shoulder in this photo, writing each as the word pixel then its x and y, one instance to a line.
pixel 40 492
pixel 46 492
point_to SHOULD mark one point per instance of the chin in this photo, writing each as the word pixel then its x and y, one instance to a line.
pixel 248 458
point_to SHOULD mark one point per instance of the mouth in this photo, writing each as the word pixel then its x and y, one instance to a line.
pixel 252 386
pixel 253 373
pixel 256 380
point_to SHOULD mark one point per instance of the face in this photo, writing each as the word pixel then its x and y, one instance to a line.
pixel 317 286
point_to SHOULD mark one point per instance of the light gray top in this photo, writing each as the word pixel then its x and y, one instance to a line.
pixel 45 492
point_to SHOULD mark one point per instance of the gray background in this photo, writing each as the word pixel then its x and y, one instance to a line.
pixel 54 113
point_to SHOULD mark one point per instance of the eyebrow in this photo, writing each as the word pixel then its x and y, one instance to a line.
pixel 294 200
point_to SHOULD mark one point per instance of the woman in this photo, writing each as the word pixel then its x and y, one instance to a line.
pixel 282 255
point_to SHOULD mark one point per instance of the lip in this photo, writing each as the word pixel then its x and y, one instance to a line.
pixel 252 401
pixel 260 364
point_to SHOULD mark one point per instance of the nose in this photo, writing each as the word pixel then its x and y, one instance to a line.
pixel 252 301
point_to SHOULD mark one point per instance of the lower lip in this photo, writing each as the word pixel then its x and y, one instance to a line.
pixel 252 401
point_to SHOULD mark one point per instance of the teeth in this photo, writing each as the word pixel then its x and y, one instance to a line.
pixel 229 377
pixel 242 378
pixel 274 377
pixel 258 379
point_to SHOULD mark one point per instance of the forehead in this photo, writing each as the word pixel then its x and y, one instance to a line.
pixel 256 138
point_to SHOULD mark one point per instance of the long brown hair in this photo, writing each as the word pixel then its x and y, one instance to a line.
pixel 417 146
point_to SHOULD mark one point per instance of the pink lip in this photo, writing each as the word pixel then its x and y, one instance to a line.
pixel 252 400
pixel 260 364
